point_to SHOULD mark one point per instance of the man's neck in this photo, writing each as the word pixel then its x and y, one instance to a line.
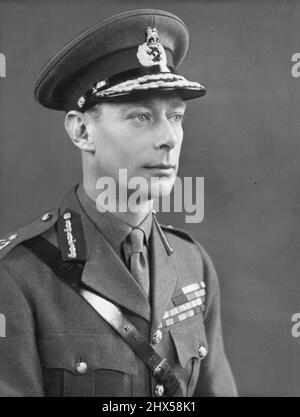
pixel 129 217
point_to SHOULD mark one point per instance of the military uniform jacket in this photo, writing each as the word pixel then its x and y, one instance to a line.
pixel 53 343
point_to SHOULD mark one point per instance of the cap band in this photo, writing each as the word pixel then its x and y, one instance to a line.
pixel 89 97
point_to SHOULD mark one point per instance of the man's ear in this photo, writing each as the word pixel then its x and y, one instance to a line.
pixel 76 126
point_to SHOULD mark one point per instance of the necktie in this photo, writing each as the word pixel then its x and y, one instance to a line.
pixel 137 260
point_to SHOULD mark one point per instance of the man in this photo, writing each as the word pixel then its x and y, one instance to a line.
pixel 111 303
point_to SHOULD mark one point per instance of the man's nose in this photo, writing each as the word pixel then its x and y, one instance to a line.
pixel 166 137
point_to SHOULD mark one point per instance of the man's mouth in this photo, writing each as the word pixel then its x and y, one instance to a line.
pixel 161 166
pixel 161 170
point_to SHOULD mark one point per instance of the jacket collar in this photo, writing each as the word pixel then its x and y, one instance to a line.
pixel 112 227
pixel 104 271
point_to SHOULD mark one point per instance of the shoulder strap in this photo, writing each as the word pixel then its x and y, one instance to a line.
pixel 178 232
pixel 71 274
pixel 37 227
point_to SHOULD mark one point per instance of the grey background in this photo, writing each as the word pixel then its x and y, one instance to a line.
pixel 243 138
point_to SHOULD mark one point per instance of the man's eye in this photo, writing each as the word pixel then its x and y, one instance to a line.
pixel 141 117
pixel 177 117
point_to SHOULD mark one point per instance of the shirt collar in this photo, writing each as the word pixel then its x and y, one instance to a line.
pixel 113 228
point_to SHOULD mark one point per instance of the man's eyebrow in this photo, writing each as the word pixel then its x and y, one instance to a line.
pixel 128 106
pixel 150 105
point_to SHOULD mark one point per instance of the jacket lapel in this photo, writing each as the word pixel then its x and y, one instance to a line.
pixel 104 271
pixel 163 278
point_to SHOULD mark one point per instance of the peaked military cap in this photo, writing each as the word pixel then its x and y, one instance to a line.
pixel 131 52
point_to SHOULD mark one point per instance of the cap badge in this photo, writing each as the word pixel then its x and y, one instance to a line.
pixel 152 52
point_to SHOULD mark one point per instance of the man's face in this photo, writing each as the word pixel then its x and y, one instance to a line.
pixel 143 136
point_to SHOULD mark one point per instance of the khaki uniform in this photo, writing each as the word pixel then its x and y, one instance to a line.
pixel 55 344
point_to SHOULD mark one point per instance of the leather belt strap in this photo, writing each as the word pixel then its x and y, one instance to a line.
pixel 71 274
pixel 113 316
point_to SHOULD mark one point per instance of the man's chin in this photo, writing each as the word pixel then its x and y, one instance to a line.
pixel 144 190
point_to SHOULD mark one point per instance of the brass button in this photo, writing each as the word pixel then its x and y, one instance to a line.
pixel 67 215
pixel 202 351
pixel 157 337
pixel 81 367
pixel 159 390
pixel 46 217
